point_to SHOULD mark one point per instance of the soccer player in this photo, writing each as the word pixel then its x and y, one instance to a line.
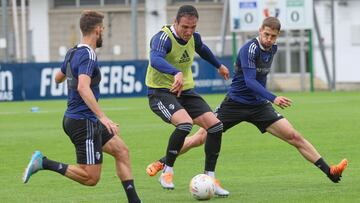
pixel 170 90
pixel 249 100
pixel 87 126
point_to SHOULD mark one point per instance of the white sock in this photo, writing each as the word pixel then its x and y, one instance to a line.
pixel 210 173
pixel 168 169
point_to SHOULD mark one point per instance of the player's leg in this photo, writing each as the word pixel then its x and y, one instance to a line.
pixel 190 142
pixel 183 123
pixel 84 174
pixel 202 115
pixel 285 131
pixel 39 162
pixel 118 149
pixel 88 146
pixel 212 147
pixel 195 140
pixel 228 112
pixel 214 130
pixel 168 108
pixel 88 175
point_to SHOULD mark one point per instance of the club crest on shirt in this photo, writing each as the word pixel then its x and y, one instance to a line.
pixel 98 155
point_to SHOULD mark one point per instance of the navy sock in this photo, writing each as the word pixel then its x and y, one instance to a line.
pixel 163 159
pixel 176 141
pixel 54 166
pixel 322 165
pixel 212 146
pixel 130 191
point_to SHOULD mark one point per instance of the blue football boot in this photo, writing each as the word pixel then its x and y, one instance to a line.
pixel 34 166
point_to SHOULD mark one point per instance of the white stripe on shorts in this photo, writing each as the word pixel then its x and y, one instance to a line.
pixel 163 109
pixel 90 143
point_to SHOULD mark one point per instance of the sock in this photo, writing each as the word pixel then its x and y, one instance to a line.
pixel 54 166
pixel 163 159
pixel 210 173
pixel 176 141
pixel 322 165
pixel 130 191
pixel 168 169
pixel 212 146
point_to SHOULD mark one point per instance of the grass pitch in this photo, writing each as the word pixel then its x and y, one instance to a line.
pixel 252 166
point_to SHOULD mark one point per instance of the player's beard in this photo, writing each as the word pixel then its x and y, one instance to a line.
pixel 99 42
pixel 266 46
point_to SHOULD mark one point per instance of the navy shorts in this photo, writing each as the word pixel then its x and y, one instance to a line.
pixel 164 104
pixel 88 138
pixel 231 113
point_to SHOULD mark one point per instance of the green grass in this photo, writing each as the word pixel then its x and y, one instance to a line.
pixel 252 166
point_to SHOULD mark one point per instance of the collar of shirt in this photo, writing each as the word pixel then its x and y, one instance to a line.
pixel 261 46
pixel 85 45
pixel 172 28
pixel 178 39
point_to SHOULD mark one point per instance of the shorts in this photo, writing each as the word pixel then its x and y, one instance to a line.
pixel 164 104
pixel 88 138
pixel 231 113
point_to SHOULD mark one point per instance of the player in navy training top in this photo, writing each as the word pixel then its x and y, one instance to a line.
pixel 84 122
pixel 249 100
pixel 83 61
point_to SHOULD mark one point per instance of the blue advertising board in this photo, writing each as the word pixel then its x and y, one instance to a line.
pixel 35 81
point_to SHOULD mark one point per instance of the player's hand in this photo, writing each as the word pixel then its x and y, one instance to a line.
pixel 112 127
pixel 178 84
pixel 282 102
pixel 224 71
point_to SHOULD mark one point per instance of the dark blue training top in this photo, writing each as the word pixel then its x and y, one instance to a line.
pixel 252 66
pixel 160 46
pixel 83 61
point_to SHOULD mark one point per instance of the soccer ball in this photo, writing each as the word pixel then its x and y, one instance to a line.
pixel 202 187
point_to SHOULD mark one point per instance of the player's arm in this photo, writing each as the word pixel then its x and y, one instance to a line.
pixel 160 45
pixel 60 77
pixel 255 86
pixel 205 53
pixel 248 58
pixel 84 81
pixel 88 96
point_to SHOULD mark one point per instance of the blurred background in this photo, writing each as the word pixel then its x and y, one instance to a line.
pixel 318 46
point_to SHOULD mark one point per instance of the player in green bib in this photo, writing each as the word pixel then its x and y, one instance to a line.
pixel 172 97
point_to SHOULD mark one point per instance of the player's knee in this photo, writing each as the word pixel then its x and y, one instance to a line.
pixel 215 130
pixel 92 180
pixel 186 126
pixel 295 138
pixel 121 152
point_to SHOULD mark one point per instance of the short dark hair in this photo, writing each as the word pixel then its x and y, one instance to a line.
pixel 186 10
pixel 89 20
pixel 272 23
